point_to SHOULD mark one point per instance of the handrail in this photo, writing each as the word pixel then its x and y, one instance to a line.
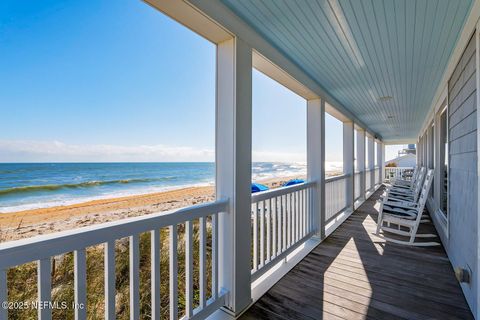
pixel 335 178
pixel 26 250
pixel 281 191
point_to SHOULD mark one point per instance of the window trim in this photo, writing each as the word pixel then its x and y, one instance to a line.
pixel 444 216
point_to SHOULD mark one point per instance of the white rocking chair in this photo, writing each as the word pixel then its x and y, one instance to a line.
pixel 407 216
pixel 394 194
pixel 409 185
pixel 405 182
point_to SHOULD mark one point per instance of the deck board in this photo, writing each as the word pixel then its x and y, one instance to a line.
pixel 355 275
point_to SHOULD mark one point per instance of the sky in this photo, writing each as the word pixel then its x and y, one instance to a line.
pixel 391 151
pixel 120 81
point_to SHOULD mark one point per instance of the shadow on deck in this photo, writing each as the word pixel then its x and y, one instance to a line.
pixel 355 275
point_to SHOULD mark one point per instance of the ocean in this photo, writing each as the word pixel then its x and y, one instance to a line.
pixel 26 186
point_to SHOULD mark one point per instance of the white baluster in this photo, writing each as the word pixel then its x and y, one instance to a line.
pixel 110 280
pixel 262 233
pixel 188 269
pixel 155 272
pixel 273 205
pixel 44 269
pixel 255 236
pixel 80 284
pixel 3 294
pixel 215 256
pixel 203 259
pixel 284 222
pixel 173 273
pixel 134 277
pixel 268 216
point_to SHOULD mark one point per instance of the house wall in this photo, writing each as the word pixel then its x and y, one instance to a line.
pixel 404 161
pixel 461 242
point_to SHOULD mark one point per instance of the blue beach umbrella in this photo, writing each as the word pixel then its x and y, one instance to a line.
pixel 257 187
pixel 293 182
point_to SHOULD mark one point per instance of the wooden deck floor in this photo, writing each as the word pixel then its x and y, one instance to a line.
pixel 354 275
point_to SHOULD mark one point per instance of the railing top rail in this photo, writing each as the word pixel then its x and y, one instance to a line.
pixel 281 191
pixel 26 250
pixel 398 168
pixel 335 178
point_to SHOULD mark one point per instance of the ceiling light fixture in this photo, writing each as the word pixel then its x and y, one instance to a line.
pixel 385 98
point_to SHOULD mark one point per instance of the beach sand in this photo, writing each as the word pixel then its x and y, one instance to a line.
pixel 29 223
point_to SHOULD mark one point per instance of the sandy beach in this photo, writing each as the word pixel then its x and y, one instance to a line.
pixel 29 223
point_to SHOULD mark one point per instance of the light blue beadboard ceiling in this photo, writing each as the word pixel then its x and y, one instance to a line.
pixel 362 50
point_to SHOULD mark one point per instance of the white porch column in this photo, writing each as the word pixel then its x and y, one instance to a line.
pixel 382 162
pixel 379 161
pixel 348 162
pixel 316 159
pixel 233 169
pixel 371 161
pixel 361 161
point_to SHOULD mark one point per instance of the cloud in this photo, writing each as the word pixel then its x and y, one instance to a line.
pixel 57 151
pixel 274 156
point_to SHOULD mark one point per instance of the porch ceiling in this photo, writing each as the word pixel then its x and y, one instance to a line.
pixel 361 51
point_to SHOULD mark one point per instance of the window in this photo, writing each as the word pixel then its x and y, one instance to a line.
pixel 431 154
pixel 444 162
pixel 431 147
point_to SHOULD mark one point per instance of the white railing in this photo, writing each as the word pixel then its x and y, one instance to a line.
pixel 398 173
pixel 42 249
pixel 335 195
pixel 377 176
pixel 368 179
pixel 358 183
pixel 282 220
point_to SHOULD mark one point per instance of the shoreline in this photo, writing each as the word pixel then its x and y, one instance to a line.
pixel 28 223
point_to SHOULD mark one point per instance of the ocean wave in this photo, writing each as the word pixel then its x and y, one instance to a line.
pixel 62 201
pixel 81 185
